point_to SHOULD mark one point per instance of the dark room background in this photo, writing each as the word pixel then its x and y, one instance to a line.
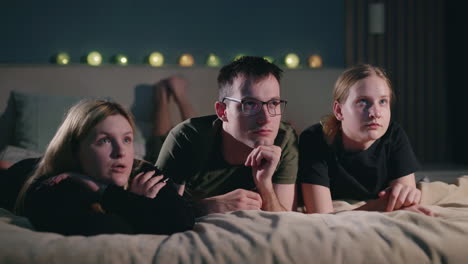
pixel 422 46
pixel 33 31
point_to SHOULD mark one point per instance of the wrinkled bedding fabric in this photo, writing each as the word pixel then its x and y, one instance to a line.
pixel 264 237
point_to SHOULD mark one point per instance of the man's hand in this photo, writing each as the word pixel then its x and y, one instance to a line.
pixel 400 196
pixel 263 160
pixel 145 184
pixel 236 200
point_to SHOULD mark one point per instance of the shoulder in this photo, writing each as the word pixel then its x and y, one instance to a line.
pixel 286 129
pixel 313 131
pixel 313 134
pixel 20 171
pixel 395 133
pixel 312 142
pixel 46 191
pixel 56 183
pixel 26 165
pixel 196 125
pixel 286 135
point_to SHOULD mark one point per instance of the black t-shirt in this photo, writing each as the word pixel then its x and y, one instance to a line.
pixel 355 175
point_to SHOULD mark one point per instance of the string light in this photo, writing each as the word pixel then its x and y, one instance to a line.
pixel 94 58
pixel 315 61
pixel 213 60
pixel 62 58
pixel 156 59
pixel 239 56
pixel 121 59
pixel 291 61
pixel 269 59
pixel 186 60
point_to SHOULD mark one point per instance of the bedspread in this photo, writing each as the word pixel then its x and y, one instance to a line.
pixel 265 237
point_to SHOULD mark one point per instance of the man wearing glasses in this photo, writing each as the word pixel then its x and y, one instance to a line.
pixel 242 158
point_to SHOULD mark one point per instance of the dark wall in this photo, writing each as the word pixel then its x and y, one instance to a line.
pixel 457 88
pixel 423 49
pixel 33 31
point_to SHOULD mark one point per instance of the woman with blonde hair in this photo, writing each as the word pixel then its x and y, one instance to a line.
pixel 88 182
pixel 358 153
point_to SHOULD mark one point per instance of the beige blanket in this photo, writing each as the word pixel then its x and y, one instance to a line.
pixel 262 237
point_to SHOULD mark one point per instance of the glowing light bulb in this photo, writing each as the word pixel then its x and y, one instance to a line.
pixel 94 58
pixel 186 60
pixel 239 56
pixel 121 59
pixel 213 60
pixel 156 59
pixel 315 61
pixel 269 59
pixel 291 60
pixel 62 58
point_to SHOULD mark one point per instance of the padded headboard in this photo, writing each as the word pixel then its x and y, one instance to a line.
pixel 308 91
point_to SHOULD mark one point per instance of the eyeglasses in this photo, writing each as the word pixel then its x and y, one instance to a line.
pixel 253 106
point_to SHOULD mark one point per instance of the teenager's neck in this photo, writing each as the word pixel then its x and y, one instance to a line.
pixel 351 145
pixel 234 152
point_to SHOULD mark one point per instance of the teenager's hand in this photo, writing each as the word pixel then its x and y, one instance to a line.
pixel 145 184
pixel 420 209
pixel 236 200
pixel 400 196
pixel 263 160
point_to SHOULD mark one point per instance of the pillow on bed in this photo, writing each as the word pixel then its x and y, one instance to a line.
pixel 14 154
pixel 38 117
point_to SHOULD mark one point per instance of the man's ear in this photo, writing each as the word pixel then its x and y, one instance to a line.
pixel 337 111
pixel 220 109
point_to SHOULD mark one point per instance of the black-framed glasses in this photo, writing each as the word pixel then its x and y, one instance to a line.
pixel 252 106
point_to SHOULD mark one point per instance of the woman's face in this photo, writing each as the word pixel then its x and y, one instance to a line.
pixel 365 115
pixel 107 152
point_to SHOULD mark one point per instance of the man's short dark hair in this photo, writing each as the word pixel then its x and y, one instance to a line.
pixel 255 68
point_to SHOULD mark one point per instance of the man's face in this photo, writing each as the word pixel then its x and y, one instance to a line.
pixel 260 128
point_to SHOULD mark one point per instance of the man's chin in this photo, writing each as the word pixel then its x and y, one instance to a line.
pixel 262 141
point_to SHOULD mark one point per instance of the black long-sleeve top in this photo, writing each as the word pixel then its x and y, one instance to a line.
pixel 70 209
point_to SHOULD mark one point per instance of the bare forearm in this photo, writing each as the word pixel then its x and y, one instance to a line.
pixel 272 204
pixel 270 201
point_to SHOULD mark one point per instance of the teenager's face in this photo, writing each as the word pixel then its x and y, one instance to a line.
pixel 107 152
pixel 260 128
pixel 365 115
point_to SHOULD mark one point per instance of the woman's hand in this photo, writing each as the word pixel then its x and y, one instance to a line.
pixel 400 196
pixel 85 181
pixel 146 185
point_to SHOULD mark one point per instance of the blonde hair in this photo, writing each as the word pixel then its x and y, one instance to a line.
pixel 60 155
pixel 330 124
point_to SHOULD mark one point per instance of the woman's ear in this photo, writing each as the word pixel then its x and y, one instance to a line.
pixel 337 111
pixel 220 109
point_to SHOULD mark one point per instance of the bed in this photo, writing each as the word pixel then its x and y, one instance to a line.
pixel 264 237
pixel 34 103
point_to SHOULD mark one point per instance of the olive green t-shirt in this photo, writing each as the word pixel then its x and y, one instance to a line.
pixel 191 155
